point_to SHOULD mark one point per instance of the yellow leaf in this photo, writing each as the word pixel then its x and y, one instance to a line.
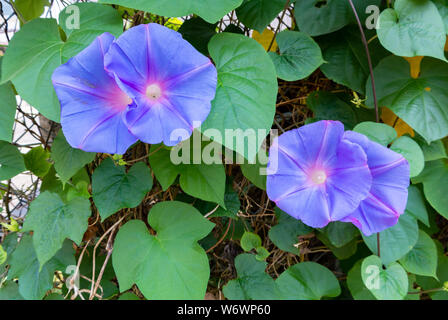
pixel 390 118
pixel 3 255
pixel 265 39
pixel 13 226
pixel 174 23
pixel 415 62
pixel 446 44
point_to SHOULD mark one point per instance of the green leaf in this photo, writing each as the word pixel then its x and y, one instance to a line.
pixel 11 161
pixel 258 14
pixel 419 102
pixel 307 281
pixel 378 132
pixel 385 284
pixel 3 255
pixel 299 55
pixel 34 281
pixel 113 189
pixel 342 253
pixel 317 17
pixel 430 283
pixel 416 205
pixel 148 261
pixel 246 94
pixel 209 10
pixel 252 282
pixel 204 181
pixel 36 50
pixel 422 259
pixel 250 241
pixel 355 284
pixel 9 290
pixel 396 241
pixel 442 6
pixel 410 149
pixel 412 28
pixel 67 160
pixel 198 32
pixel 433 151
pixel 232 202
pixel 7 110
pixel 31 9
pixel 286 233
pixel 128 296
pixel 36 160
pixel 435 180
pixel 340 233
pixel 53 221
pixel 256 172
pixel 346 58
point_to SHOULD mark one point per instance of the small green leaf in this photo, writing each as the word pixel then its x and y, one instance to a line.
pixel 378 132
pixel 148 261
pixel 340 233
pixel 34 281
pixel 11 161
pixel 209 10
pixel 36 160
pixel 250 241
pixel 396 241
pixel 419 102
pixel 433 151
pixel 252 282
pixel 422 259
pixel 307 281
pixel 53 221
pixel 412 28
pixel 67 160
pixel 385 284
pixel 355 284
pixel 113 189
pixel 410 149
pixel 286 233
pixel 299 55
pixel 246 96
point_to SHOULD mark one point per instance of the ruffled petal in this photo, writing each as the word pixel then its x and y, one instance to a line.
pixel 92 105
pixel 388 196
pixel 186 79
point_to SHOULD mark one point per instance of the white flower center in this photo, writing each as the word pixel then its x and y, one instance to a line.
pixel 153 92
pixel 318 177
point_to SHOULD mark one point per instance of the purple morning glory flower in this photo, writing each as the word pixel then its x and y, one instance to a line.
pixel 171 83
pixel 317 176
pixel 92 104
pixel 149 85
pixel 389 193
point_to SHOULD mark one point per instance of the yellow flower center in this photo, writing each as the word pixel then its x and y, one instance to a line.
pixel 318 177
pixel 153 92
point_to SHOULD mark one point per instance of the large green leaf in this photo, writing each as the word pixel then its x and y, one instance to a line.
pixel 435 180
pixel 419 102
pixel 433 151
pixel 258 14
pixel 340 233
pixel 396 241
pixel 422 259
pixel 317 17
pixel 246 94
pixel 67 160
pixel 36 160
pixel 31 9
pixel 430 283
pixel 37 50
pixel 198 32
pixel 7 110
pixel 209 10
pixel 355 284
pixel 204 181
pixel 34 281
pixel 11 161
pixel 442 6
pixel 286 233
pixel 253 283
pixel 385 284
pixel 410 149
pixel 378 132
pixel 307 281
pixel 299 55
pixel 346 59
pixel 9 290
pixel 412 28
pixel 169 265
pixel 53 221
pixel 113 189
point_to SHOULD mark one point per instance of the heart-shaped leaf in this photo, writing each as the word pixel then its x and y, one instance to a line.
pixel 11 161
pixel 258 14
pixel 410 149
